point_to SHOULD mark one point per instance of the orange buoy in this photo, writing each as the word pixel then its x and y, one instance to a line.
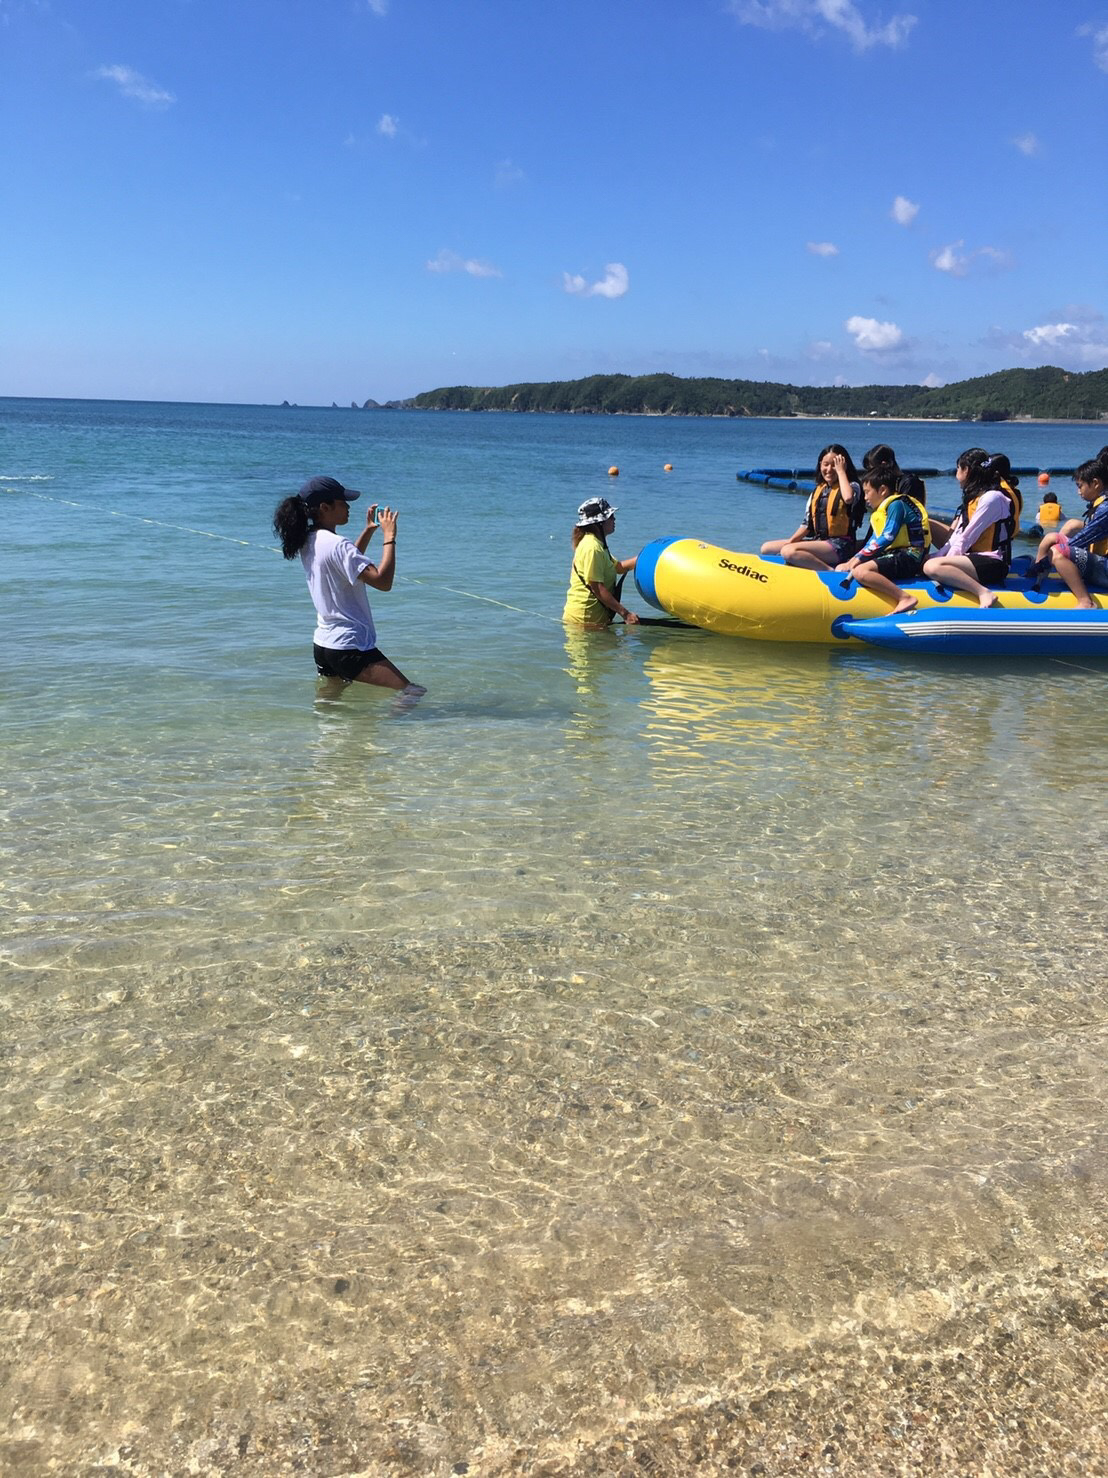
pixel 1044 479
pixel 613 471
pixel 668 467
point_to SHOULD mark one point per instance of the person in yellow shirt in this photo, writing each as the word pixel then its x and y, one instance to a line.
pixel 596 576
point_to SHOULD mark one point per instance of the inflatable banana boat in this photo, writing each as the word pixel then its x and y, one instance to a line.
pixel 1048 632
pixel 767 600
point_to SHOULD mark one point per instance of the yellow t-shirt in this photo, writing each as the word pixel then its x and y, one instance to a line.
pixel 591 562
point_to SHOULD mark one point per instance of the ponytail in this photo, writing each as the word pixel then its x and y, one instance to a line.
pixel 291 525
pixel 999 465
pixel 973 462
pixel 881 455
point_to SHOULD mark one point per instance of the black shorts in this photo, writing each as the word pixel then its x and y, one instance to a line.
pixel 901 564
pixel 988 570
pixel 346 663
pixel 844 548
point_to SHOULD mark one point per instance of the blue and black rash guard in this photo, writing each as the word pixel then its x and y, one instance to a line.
pixel 1095 528
pixel 902 522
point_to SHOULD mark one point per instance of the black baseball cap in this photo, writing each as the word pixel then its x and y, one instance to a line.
pixel 325 490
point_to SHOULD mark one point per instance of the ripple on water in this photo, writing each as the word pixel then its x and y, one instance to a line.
pixel 707 1078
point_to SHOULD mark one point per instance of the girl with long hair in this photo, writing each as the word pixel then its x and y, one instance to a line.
pixel 338 571
pixel 977 554
pixel 829 534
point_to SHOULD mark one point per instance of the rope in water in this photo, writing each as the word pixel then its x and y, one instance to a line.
pixel 184 528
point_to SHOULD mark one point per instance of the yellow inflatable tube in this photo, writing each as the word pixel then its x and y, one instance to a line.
pixel 768 600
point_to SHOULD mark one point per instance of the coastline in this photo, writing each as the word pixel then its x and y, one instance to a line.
pixel 501 410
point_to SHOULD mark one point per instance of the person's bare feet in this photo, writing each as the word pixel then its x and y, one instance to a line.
pixel 988 600
pixel 907 603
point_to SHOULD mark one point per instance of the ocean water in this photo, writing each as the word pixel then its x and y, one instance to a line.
pixel 644 1027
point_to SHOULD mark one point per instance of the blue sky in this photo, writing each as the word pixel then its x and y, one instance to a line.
pixel 329 200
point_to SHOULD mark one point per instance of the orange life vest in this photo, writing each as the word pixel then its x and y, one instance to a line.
pixel 829 515
pixel 997 538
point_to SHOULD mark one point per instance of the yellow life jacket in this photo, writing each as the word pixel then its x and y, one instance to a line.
pixel 1101 545
pixel 998 536
pixel 1049 512
pixel 828 515
pixel 915 533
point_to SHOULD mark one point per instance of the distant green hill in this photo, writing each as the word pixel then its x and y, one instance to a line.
pixel 1050 394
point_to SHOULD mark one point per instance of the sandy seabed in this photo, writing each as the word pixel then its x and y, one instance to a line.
pixel 458 1211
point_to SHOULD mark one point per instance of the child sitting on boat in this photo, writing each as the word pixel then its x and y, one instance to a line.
pixel 1069 528
pixel 1081 559
pixel 899 537
pixel 882 455
pixel 835 510
pixel 977 554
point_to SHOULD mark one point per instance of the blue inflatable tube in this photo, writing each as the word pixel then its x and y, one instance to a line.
pixel 646 566
pixel 991 633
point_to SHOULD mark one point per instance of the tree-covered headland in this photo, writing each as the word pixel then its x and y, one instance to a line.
pixel 1046 394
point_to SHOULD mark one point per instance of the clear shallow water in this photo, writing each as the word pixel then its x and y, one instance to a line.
pixel 645 1021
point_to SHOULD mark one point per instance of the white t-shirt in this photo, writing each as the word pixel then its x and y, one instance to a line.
pixel 332 565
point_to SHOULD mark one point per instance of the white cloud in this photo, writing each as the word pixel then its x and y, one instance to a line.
pixel 613 284
pixel 378 7
pixel 1074 333
pixel 820 349
pixel 950 259
pixel 1028 144
pixel 507 174
pixel 814 16
pixel 134 85
pixel 450 261
pixel 1081 343
pixel 388 125
pixel 823 248
pixel 904 211
pixel 931 382
pixel 1099 34
pixel 959 263
pixel 1051 335
pixel 873 336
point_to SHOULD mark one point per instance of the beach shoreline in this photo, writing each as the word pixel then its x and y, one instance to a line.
pixel 501 410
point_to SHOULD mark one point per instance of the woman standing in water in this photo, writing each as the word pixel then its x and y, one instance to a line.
pixel 337 571
pixel 596 577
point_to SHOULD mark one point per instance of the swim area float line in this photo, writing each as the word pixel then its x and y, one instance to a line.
pixel 767 600
pixel 799 480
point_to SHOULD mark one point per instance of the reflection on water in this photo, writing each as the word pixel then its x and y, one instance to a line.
pixel 711 1028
